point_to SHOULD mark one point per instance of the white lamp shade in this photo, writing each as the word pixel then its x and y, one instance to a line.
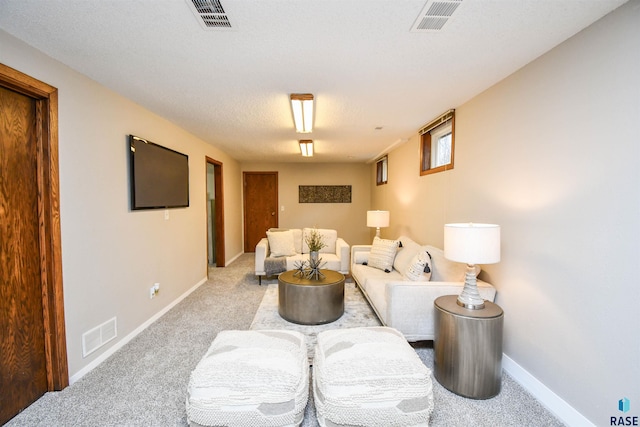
pixel 377 218
pixel 472 243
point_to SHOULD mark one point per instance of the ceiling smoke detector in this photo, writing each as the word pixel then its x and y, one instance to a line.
pixel 434 15
pixel 210 14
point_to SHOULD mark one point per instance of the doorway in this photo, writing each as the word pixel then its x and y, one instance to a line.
pixel 260 206
pixel 32 331
pixel 215 214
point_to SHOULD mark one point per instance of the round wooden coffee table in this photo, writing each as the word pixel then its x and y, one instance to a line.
pixel 311 301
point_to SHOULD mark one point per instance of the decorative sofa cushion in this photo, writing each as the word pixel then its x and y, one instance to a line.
pixel 329 237
pixel 297 239
pixel 360 257
pixel 444 270
pixel 383 252
pixel 281 243
pixel 419 269
pixel 408 249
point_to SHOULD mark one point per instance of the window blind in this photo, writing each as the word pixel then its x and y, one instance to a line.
pixel 436 122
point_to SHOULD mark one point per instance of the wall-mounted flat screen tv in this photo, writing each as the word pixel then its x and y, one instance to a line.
pixel 159 176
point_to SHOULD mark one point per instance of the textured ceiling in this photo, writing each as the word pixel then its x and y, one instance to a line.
pixel 360 59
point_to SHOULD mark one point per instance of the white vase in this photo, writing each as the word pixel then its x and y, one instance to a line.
pixel 313 257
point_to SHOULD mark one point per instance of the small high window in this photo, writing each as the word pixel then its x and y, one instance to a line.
pixel 381 171
pixel 437 141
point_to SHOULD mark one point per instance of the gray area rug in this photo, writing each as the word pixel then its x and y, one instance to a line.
pixel 357 313
pixel 145 382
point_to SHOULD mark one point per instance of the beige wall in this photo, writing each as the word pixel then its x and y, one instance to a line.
pixel 551 154
pixel 416 204
pixel 348 218
pixel 112 256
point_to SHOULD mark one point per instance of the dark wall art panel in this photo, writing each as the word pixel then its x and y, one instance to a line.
pixel 324 194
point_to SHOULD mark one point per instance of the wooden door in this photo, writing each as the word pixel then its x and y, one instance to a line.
pixel 32 339
pixel 260 206
pixel 218 212
pixel 23 376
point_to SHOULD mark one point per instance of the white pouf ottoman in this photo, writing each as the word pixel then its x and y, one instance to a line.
pixel 370 377
pixel 250 378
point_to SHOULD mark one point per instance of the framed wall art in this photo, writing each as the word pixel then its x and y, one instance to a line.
pixel 324 194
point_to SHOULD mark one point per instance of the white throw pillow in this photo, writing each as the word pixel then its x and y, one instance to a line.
pixel 383 252
pixel 445 270
pixel 281 243
pixel 408 249
pixel 297 239
pixel 419 269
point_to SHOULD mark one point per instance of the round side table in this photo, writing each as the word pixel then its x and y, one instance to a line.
pixel 468 348
pixel 311 301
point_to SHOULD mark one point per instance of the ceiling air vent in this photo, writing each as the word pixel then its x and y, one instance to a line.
pixel 210 14
pixel 434 15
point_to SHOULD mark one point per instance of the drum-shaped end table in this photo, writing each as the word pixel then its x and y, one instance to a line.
pixel 311 301
pixel 468 348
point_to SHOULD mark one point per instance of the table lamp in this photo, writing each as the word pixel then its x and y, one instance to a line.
pixel 377 219
pixel 472 244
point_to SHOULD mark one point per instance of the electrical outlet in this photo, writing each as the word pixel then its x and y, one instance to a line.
pixel 154 290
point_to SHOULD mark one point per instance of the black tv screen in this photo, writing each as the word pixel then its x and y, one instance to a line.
pixel 159 176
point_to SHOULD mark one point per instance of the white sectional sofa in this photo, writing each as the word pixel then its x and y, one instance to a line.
pixel 288 247
pixel 404 304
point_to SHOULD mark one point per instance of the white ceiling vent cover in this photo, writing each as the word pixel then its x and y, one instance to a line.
pixel 434 15
pixel 210 14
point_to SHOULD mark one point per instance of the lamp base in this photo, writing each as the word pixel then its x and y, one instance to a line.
pixel 470 297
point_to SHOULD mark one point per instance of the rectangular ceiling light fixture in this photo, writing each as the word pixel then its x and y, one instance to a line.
pixel 306 147
pixel 302 108
pixel 434 15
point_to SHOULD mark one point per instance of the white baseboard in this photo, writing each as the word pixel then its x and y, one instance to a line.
pixel 117 346
pixel 235 257
pixel 554 403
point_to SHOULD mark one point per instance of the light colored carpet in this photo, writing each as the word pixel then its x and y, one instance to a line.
pixel 356 313
pixel 145 382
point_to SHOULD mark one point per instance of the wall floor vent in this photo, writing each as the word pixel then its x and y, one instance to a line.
pixel 210 14
pixel 99 336
pixel 435 14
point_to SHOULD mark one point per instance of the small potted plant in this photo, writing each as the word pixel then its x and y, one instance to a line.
pixel 315 243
